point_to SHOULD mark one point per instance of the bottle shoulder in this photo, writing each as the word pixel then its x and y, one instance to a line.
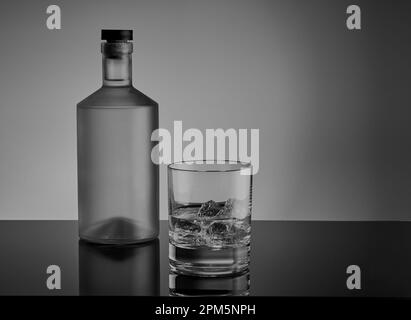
pixel 112 97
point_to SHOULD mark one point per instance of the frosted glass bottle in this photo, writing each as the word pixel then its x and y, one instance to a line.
pixel 117 180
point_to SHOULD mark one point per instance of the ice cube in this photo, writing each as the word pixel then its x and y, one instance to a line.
pixel 189 226
pixel 209 209
pixel 219 229
pixel 185 213
pixel 219 234
pixel 227 209
pixel 240 235
pixel 239 208
pixel 222 234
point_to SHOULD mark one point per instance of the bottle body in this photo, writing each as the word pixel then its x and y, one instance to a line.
pixel 117 180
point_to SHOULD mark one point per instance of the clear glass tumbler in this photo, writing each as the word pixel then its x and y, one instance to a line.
pixel 209 217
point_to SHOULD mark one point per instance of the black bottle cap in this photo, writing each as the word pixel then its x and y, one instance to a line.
pixel 116 35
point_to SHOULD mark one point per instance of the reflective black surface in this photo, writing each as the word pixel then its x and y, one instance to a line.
pixel 287 259
pixel 119 270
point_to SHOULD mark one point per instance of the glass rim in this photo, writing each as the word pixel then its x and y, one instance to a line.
pixel 241 165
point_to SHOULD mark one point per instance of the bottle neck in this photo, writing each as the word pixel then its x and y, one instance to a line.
pixel 117 64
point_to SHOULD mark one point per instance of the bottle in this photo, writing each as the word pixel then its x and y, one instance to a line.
pixel 117 180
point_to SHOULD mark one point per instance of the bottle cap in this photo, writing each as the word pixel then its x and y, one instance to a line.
pixel 116 35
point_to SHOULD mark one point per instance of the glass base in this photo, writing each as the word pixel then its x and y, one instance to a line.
pixel 207 262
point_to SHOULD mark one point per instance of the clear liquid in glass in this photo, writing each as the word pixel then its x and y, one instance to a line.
pixel 210 245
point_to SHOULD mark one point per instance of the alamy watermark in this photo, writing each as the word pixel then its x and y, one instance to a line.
pixel 213 146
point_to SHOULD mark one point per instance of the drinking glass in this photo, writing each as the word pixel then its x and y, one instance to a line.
pixel 209 217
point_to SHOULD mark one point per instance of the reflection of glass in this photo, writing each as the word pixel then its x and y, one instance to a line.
pixel 209 217
pixel 182 285
pixel 119 270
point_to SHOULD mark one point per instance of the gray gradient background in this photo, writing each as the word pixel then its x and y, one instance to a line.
pixel 332 105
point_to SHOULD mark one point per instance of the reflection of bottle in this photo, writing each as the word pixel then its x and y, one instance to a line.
pixel 117 180
pixel 119 270
pixel 183 285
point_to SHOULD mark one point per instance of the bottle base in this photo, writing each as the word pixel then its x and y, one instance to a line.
pixel 116 241
pixel 117 231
